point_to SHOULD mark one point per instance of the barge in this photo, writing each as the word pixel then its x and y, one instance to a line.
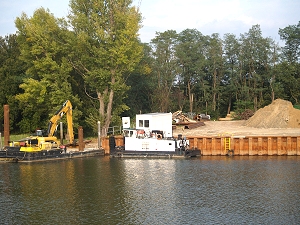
pixel 15 154
pixel 38 148
pixel 151 137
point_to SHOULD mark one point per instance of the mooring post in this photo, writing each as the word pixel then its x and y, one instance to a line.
pixel 0 141
pixel 80 138
pixel 99 135
pixel 6 125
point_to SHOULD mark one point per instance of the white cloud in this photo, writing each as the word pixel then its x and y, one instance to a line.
pixel 207 16
pixel 217 16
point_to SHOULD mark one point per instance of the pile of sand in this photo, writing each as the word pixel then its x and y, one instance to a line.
pixel 279 114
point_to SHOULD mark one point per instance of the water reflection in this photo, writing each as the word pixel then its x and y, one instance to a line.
pixel 209 190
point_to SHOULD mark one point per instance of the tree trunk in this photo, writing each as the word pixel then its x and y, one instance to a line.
pixel 190 96
pixel 106 117
pixel 214 90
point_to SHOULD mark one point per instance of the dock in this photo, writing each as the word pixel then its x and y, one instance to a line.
pixel 235 145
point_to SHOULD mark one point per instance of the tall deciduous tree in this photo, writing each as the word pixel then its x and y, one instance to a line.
pixel 190 51
pixel 164 69
pixel 215 68
pixel 106 47
pixel 231 64
pixel 255 59
pixel 291 36
pixel 42 39
pixel 12 72
pixel 289 69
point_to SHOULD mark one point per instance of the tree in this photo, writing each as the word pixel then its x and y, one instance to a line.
pixel 47 85
pixel 190 51
pixel 215 68
pixel 256 53
pixel 231 64
pixel 12 72
pixel 139 81
pixel 291 36
pixel 164 69
pixel 106 47
pixel 289 69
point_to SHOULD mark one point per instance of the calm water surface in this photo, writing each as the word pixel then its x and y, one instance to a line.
pixel 207 190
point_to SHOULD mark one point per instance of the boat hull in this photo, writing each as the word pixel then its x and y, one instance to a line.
pixel 119 151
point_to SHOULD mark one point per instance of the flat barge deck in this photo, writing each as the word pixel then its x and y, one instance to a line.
pixel 46 155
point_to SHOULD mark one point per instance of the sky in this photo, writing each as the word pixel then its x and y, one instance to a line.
pixel 207 16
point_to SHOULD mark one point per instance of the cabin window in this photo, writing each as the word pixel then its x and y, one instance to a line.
pixel 143 123
pixel 131 133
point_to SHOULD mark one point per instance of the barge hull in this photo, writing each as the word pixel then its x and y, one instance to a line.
pixel 20 156
pixel 156 154
pixel 241 145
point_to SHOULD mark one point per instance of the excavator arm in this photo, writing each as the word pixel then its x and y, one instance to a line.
pixel 53 123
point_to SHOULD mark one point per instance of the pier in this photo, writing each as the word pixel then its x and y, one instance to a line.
pixel 236 145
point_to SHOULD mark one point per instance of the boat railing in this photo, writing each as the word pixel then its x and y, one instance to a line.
pixel 114 130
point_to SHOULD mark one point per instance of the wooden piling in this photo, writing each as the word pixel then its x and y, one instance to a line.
pixel 6 125
pixel 80 139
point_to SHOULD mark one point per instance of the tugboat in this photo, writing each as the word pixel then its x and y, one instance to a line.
pixel 151 137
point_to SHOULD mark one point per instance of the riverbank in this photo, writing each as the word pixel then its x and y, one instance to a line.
pixel 233 128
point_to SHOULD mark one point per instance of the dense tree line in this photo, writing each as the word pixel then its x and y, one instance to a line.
pixel 95 59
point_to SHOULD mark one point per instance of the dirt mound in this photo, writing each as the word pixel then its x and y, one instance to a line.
pixel 279 114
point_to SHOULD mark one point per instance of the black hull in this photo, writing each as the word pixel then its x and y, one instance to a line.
pixel 156 154
pixel 20 156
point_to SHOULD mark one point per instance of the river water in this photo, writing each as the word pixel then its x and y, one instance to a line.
pixel 103 190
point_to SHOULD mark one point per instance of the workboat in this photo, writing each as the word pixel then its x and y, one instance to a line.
pixel 151 136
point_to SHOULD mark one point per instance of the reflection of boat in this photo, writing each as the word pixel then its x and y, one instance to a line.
pixel 152 136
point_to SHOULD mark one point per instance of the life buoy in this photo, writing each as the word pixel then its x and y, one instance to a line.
pixel 140 132
pixel 159 136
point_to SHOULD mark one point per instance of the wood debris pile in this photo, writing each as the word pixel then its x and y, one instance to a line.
pixel 181 119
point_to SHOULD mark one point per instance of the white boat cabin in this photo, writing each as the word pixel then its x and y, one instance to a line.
pixel 150 125
pixel 153 132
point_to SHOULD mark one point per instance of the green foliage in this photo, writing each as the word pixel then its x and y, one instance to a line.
pixel 297 106
pixel 12 72
pixel 107 47
pixel 291 36
pixel 96 60
pixel 44 49
pixel 164 70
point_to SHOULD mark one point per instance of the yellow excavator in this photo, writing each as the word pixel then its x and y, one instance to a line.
pixel 53 123
pixel 38 142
